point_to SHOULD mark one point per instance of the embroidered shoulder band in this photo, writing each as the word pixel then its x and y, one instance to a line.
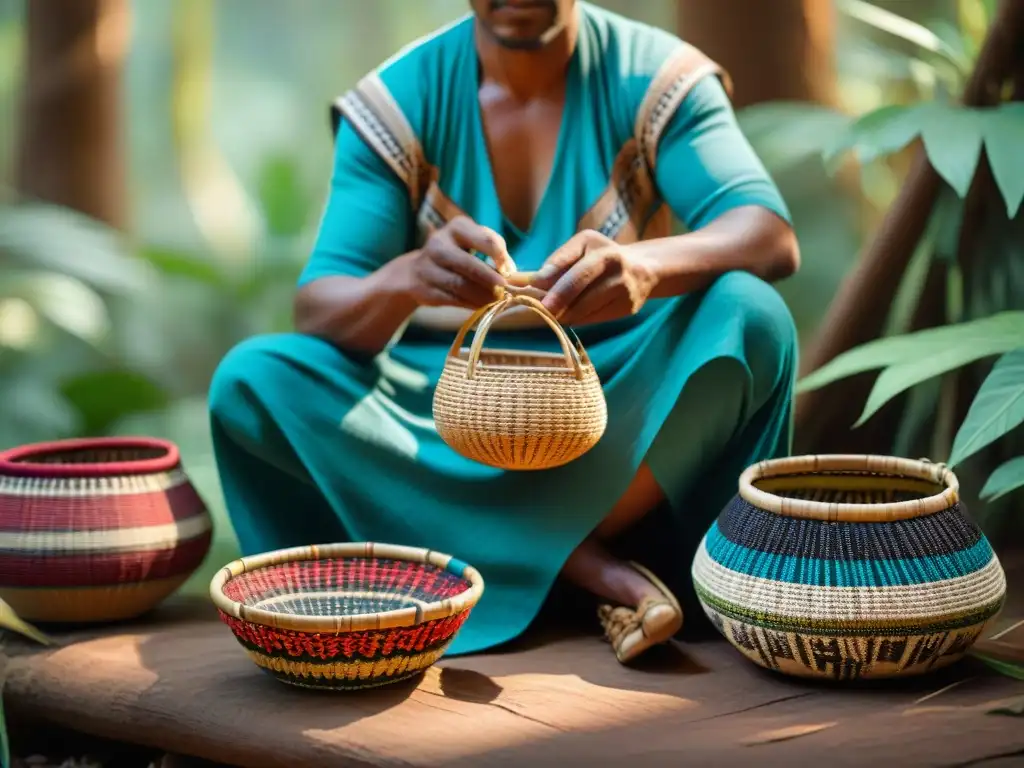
pixel 670 85
pixel 376 116
pixel 630 208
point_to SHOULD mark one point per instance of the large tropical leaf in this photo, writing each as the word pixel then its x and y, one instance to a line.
pixel 1006 478
pixel 176 264
pixel 976 340
pixel 786 133
pixel 997 408
pixel 46 237
pixel 953 136
pixel 1003 129
pixel 66 302
pixel 880 132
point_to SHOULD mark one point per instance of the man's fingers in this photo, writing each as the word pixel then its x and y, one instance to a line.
pixel 559 261
pixel 469 235
pixel 594 301
pixel 574 282
pixel 449 256
pixel 469 293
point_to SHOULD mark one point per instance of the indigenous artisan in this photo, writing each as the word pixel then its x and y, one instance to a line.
pixel 532 136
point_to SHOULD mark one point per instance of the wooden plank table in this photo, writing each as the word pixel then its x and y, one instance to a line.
pixel 179 682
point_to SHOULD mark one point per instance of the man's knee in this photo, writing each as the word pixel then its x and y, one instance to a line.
pixel 249 372
pixel 769 334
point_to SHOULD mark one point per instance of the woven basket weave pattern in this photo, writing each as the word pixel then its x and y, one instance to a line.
pixel 306 585
pixel 516 410
pixel 96 530
pixel 869 597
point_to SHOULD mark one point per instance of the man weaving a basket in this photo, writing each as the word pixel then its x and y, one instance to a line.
pixel 556 139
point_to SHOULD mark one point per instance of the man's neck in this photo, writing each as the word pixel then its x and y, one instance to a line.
pixel 527 73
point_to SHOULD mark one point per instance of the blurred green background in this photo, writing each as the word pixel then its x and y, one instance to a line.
pixel 226 155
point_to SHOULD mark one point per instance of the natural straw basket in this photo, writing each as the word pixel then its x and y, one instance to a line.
pixel 97 529
pixel 346 616
pixel 518 410
pixel 848 567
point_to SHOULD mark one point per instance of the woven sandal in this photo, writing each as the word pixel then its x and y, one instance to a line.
pixel 631 631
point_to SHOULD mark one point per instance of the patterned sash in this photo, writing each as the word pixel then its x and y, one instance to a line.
pixel 630 208
pixel 375 115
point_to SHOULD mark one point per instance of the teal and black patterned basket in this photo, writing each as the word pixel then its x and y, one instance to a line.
pixel 848 567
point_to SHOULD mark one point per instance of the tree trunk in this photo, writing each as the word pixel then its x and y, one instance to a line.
pixel 70 145
pixel 778 50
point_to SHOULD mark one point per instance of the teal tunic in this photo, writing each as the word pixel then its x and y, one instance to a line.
pixel 316 445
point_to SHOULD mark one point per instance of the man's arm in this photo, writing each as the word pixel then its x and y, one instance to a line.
pixel 708 174
pixel 351 292
pixel 710 177
pixel 362 281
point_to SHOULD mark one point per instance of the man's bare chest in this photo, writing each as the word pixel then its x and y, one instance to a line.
pixel 522 139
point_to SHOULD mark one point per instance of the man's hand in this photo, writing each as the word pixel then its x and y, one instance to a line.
pixel 592 279
pixel 445 273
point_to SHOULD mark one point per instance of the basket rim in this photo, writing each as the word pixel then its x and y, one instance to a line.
pixel 850 512
pixel 17 462
pixel 586 366
pixel 404 617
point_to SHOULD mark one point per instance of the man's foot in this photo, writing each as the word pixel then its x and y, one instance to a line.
pixel 655 620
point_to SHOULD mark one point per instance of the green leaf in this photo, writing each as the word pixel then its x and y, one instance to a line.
pixel 1008 668
pixel 11 621
pixel 286 206
pixel 47 237
pixel 175 264
pixel 104 397
pixel 949 218
pixel 988 336
pixel 879 133
pixel 997 408
pixel 5 740
pixel 953 141
pixel 1006 478
pixel 897 379
pixel 786 133
pixel 67 303
pixel 1004 127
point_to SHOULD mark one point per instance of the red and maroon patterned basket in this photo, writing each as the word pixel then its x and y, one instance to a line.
pixel 346 616
pixel 97 529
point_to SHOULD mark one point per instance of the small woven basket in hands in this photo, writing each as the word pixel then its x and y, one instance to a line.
pixel 848 567
pixel 514 409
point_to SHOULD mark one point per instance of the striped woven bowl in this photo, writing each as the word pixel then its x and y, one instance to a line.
pixel 96 530
pixel 848 567
pixel 346 616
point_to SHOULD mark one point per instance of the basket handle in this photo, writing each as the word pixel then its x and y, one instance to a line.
pixel 575 356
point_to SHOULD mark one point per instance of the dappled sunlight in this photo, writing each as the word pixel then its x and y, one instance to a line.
pixel 504 712
pixel 373 421
pixel 19 324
